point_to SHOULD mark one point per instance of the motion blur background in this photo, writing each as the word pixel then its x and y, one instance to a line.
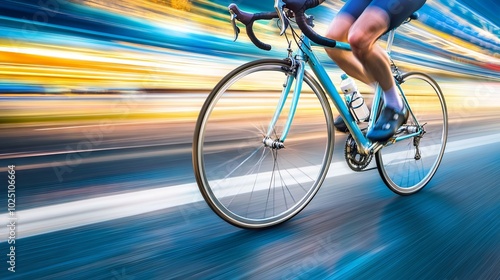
pixel 98 100
pixel 58 46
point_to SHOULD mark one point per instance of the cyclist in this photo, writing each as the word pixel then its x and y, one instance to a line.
pixel 361 23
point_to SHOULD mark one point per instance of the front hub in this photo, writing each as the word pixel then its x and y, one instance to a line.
pixel 273 144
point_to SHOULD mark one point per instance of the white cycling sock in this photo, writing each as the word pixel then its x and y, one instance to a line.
pixel 392 99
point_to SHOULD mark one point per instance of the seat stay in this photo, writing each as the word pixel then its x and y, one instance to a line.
pixel 407 104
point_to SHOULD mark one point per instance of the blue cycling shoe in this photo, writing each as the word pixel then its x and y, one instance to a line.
pixel 387 124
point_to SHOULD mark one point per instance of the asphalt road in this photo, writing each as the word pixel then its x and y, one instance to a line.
pixel 112 212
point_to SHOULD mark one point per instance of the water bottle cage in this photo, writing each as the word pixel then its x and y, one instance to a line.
pixel 352 108
pixel 359 106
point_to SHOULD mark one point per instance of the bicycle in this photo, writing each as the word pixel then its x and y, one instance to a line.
pixel 255 169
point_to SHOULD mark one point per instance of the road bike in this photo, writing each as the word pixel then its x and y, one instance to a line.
pixel 264 138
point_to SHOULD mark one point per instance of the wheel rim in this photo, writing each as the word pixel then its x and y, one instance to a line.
pixel 401 168
pixel 243 181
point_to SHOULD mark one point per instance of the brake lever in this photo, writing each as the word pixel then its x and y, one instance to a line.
pixel 236 29
pixel 279 5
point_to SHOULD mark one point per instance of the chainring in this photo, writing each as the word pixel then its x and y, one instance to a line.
pixel 355 160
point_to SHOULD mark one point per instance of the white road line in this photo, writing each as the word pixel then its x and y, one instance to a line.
pixel 58 217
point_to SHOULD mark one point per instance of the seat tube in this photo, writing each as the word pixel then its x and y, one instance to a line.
pixel 390 41
pixel 376 105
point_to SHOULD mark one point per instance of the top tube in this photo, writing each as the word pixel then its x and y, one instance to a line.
pixel 347 47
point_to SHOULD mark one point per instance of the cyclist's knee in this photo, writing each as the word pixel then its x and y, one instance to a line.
pixel 366 30
pixel 360 43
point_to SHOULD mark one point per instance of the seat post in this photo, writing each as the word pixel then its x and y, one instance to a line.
pixel 390 40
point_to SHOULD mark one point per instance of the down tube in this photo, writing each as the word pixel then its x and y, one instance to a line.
pixel 339 103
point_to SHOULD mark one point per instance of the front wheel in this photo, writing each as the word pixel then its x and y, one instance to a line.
pixel 408 165
pixel 244 181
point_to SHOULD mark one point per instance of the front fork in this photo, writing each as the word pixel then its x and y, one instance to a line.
pixel 296 72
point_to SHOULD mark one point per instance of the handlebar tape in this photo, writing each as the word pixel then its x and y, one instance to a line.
pixel 248 19
pixel 299 7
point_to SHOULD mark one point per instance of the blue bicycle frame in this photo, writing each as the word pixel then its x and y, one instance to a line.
pixel 305 55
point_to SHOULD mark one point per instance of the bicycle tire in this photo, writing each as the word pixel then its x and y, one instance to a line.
pixel 230 161
pixel 404 168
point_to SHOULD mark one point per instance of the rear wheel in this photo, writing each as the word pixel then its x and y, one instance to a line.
pixel 408 165
pixel 245 182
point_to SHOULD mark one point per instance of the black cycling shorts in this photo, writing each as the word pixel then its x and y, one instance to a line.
pixel 398 10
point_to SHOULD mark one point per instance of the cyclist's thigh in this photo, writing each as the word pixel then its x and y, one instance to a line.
pixel 398 10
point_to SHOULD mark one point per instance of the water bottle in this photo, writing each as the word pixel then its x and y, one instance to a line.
pixel 354 99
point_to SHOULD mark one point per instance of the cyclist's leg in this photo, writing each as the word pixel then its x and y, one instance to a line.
pixel 372 24
pixel 339 30
pixel 379 17
pixel 346 60
pixel 376 19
